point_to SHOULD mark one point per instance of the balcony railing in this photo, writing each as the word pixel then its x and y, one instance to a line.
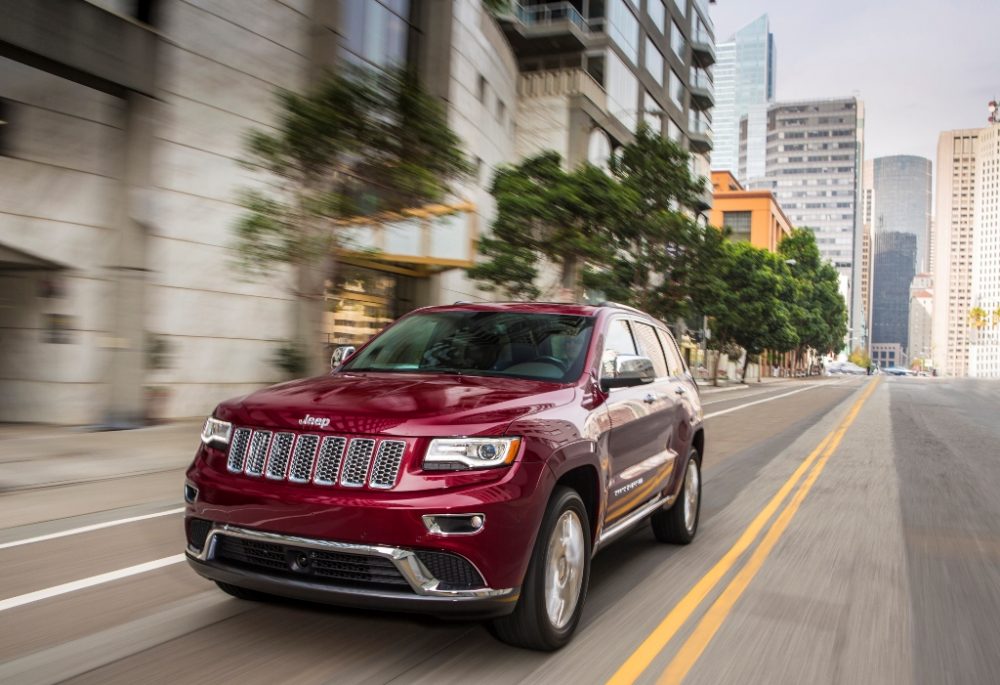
pixel 700 79
pixel 699 132
pixel 550 13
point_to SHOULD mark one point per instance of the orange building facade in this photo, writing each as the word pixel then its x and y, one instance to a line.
pixel 752 216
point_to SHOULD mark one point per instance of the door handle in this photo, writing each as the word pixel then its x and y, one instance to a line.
pixel 650 398
pixel 679 390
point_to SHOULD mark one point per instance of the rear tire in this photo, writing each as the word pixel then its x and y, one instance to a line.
pixel 679 524
pixel 242 592
pixel 547 613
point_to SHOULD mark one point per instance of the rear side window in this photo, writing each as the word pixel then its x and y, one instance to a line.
pixel 649 346
pixel 673 355
pixel 617 342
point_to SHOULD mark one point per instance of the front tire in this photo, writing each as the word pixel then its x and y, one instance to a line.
pixel 679 524
pixel 555 585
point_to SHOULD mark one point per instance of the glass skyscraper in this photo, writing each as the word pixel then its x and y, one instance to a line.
pixel 744 86
pixel 901 217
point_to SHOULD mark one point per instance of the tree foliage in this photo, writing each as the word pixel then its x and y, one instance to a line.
pixel 361 143
pixel 544 212
pixel 819 312
pixel 654 242
pixel 753 306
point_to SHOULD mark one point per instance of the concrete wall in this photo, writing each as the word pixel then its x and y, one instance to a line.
pixel 220 65
pixel 58 193
pixel 486 129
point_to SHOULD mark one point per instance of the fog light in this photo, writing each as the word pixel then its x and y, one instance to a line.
pixel 454 524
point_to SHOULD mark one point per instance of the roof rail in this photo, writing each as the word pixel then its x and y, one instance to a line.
pixel 618 305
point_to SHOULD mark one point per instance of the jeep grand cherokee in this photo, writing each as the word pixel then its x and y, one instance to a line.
pixel 469 460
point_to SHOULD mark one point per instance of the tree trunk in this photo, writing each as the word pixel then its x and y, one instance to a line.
pixel 310 307
pixel 746 363
pixel 568 279
pixel 715 366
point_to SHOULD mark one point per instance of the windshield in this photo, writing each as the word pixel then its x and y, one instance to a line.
pixel 547 347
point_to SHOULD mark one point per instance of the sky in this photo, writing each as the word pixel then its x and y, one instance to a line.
pixel 921 66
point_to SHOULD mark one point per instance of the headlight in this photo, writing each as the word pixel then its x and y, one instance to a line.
pixel 456 454
pixel 216 432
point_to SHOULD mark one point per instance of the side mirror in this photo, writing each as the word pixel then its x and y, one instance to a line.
pixel 340 355
pixel 629 371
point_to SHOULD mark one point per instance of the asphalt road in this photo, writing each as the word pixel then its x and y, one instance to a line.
pixel 850 534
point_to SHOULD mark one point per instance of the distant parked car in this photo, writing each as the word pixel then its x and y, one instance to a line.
pixel 896 371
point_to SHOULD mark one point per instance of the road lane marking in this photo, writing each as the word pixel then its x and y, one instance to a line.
pixel 766 399
pixel 643 656
pixel 717 613
pixel 56 590
pixel 757 392
pixel 87 529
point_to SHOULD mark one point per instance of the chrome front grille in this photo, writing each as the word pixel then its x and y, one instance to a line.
pixel 387 463
pixel 320 460
pixel 359 458
pixel 281 449
pixel 238 450
pixel 259 443
pixel 302 459
pixel 331 453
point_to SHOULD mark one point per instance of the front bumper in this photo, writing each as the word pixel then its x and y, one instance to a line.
pixel 426 593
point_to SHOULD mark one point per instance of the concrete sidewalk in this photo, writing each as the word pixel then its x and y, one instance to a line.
pixel 34 456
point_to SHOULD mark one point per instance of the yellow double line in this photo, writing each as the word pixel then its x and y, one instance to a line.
pixel 710 623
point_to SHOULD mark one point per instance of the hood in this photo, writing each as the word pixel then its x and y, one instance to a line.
pixel 413 405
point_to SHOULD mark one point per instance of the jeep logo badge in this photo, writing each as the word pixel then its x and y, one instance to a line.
pixel 314 421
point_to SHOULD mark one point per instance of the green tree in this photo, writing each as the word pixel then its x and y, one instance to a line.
pixel 655 241
pixel 752 308
pixel 819 313
pixel 544 212
pixel 359 144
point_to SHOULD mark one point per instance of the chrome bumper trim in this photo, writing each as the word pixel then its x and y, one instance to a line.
pixel 406 561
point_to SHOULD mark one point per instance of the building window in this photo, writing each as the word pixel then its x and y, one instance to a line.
pixel 623 91
pixel 658 13
pixel 676 88
pixel 501 110
pixel 682 5
pixel 376 33
pixel 654 61
pixel 623 28
pixel 677 40
pixel 674 131
pixel 652 113
pixel 481 89
pixel 739 224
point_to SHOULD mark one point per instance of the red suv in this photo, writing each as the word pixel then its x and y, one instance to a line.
pixel 469 460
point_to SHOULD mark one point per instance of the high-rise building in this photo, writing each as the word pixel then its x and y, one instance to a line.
pixel 744 86
pixel 984 351
pixel 815 150
pixel 921 314
pixel 902 199
pixel 894 254
pixel 590 72
pixel 953 238
pixel 901 209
